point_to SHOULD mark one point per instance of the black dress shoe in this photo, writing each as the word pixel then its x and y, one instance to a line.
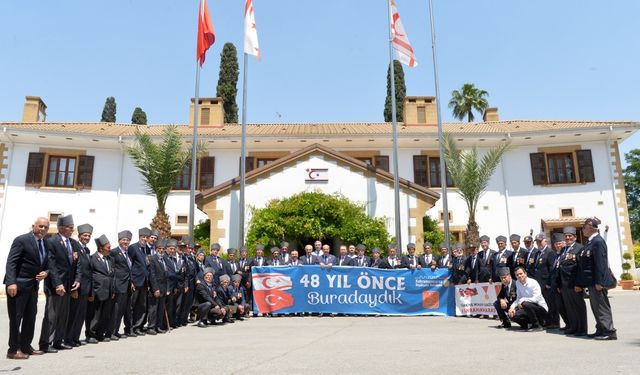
pixel 106 339
pixel 160 330
pixel 63 347
pixel 240 318
pixel 535 328
pixel 606 337
pixel 130 334
pixel 114 338
pixel 138 332
pixel 152 332
pixel 91 340
pixel 50 350
pixel 594 335
pixel 579 334
pixel 202 325
pixel 82 342
pixel 32 351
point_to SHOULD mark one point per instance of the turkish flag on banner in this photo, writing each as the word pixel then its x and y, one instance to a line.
pixel 269 301
pixel 206 36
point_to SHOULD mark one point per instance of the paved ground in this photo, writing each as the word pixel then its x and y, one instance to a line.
pixel 361 345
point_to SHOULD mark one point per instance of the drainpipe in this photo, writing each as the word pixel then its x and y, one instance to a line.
pixel 506 192
pixel 7 177
pixel 122 151
pixel 608 144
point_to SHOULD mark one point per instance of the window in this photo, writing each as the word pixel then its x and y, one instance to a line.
pixel 205 178
pixel 53 216
pixel 560 168
pixel 378 161
pixel 205 115
pixel 68 171
pixel 566 212
pixel 264 161
pixel 426 171
pixel 182 220
pixel 422 114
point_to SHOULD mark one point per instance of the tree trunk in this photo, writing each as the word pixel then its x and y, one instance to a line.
pixel 161 223
pixel 472 234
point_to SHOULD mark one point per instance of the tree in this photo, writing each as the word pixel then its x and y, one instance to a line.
pixel 309 216
pixel 466 100
pixel 228 81
pixel 202 234
pixel 401 92
pixel 139 117
pixel 471 174
pixel 160 165
pixel 432 233
pixel 632 187
pixel 109 110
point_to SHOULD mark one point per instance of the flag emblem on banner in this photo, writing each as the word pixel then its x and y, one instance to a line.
pixel 400 40
pixel 430 299
pixel 269 291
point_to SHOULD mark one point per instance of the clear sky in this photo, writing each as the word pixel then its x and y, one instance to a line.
pixel 322 60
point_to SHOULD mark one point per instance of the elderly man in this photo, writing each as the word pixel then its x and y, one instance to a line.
pixel 294 261
pixel 427 260
pixel 139 283
pixel 573 300
pixel 122 265
pixel 210 307
pixel 445 260
pixel 542 270
pixel 237 293
pixel 327 260
pixel 529 309
pixel 102 277
pixel 158 269
pixel 352 252
pixel 519 254
pixel 227 298
pixel 594 273
pixel 308 258
pixel 214 261
pixel 317 248
pixel 411 259
pixel 343 259
pixel 284 252
pixel 459 275
pixel 361 260
pixel 392 261
pixel 506 296
pixel 502 257
pixel 375 258
pixel 79 298
pixel 26 267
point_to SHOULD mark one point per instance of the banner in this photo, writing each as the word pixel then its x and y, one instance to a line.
pixel 351 290
pixel 476 299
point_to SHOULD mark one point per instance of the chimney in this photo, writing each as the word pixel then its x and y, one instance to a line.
pixel 211 112
pixel 491 114
pixel 420 110
pixel 34 110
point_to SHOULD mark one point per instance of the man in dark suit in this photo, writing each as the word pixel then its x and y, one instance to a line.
pixel 542 269
pixel 231 265
pixel 487 255
pixel 158 269
pixel 506 296
pixel 392 261
pixel 445 260
pixel 572 298
pixel 427 259
pixel 139 252
pixel 458 274
pixel 189 286
pixel 294 261
pixel 502 258
pixel 275 260
pixel 375 258
pixel 411 259
pixel 284 252
pixel 361 260
pixel 327 260
pixel 173 282
pixel 215 262
pixel 102 277
pixel 26 267
pixel 308 259
pixel 210 307
pixel 79 298
pixel 594 273
pixel 236 291
pixel 121 259
pixel 58 286
pixel 475 268
pixel 343 258
pixel 518 254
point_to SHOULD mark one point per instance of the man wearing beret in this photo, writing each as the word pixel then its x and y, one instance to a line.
pixel 427 260
pixel 275 260
pixel 226 298
pixel 502 258
pixel 519 254
pixel 392 261
pixel 79 298
pixel 102 289
pixel 445 260
pixel 375 258
pixel 58 286
pixel 567 268
pixel 153 240
pixel 506 296
pixel 557 308
pixel 173 281
pixel 541 267
pixel 122 266
pixel 210 308
pixel 487 256
pixel 215 262
pixel 361 260
pixel 458 272
pixel 158 269
pixel 237 293
pixel 594 273
pixel 139 274
pixel 411 259
pixel 284 252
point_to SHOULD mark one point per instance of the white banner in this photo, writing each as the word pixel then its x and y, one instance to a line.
pixel 476 299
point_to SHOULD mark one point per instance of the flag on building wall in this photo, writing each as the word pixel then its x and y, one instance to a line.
pixel 400 40
pixel 251 46
pixel 206 36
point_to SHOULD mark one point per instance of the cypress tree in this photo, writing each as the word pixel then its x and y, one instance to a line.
pixel 109 110
pixel 401 92
pixel 139 117
pixel 228 81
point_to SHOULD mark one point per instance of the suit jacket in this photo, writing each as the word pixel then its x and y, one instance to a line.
pixel 285 258
pixel 61 270
pixel 275 262
pixel 172 273
pixel 298 262
pixel 408 261
pixel 158 274
pixel 218 265
pixel 24 263
pixel 223 295
pixel 365 262
pixel 567 266
pixel 83 269
pixel 593 264
pixel 375 263
pixel 229 268
pixel 459 274
pixel 122 270
pixel 386 264
pixel 310 260
pixel 102 277
pixel 191 270
pixel 245 265
pixel 346 261
pixel 330 259
pixel 518 258
pixel 544 261
pixel 509 293
pixel 487 261
pixel 478 272
pixel 206 293
pixel 531 263
pixel 255 262
pixel 139 264
pixel 445 261
pixel 425 263
pixel 501 261
pixel 236 292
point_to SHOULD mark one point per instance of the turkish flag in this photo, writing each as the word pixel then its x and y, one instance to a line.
pixel 206 36
pixel 269 301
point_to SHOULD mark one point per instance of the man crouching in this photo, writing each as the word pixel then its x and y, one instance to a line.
pixel 210 308
pixel 529 310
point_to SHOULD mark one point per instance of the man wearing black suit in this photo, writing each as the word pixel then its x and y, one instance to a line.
pixel 189 287
pixel 327 260
pixel 173 282
pixel 275 260
pixel 487 255
pixel 506 296
pixel 26 267
pixel 58 286
pixel 375 258
pixel 392 261
pixel 475 268
pixel 502 258
pixel 411 259
pixel 210 307
pixel 215 262
pixel 361 260
pixel 231 265
pixel 594 273
pixel 158 269
pixel 343 258
pixel 285 256
pixel 445 260
pixel 519 254
pixel 294 261
pixel 79 298
pixel 102 277
pixel 308 259
pixel 139 252
pixel 458 274
pixel 542 270
pixel 572 298
pixel 122 263
pixel 427 259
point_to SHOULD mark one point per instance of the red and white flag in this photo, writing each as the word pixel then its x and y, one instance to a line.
pixel 400 40
pixel 251 46
pixel 206 36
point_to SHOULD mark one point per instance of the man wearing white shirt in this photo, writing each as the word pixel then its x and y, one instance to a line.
pixel 529 309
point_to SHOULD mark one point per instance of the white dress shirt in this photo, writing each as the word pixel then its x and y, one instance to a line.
pixel 529 292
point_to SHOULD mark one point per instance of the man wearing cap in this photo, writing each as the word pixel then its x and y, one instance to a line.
pixel 26 267
pixel 487 255
pixel 567 268
pixel 308 259
pixel 427 260
pixel 158 269
pixel 58 286
pixel 102 289
pixel 392 261
pixel 232 266
pixel 375 258
pixel 529 310
pixel 284 252
pixel 152 243
pixel 236 291
pixel 475 268
pixel 275 260
pixel 528 243
pixel 210 308
pixel 139 284
pixel 502 257
pixel 541 270
pixel 556 307
pixel 519 254
pixel 593 273
pixel 361 260
pixel 192 270
pixel 459 275
pixel 411 259
pixel 173 272
pixel 445 260
pixel 343 258
pixel 79 298
pixel 227 299
pixel 259 260
pixel 122 264
pixel 215 262
pixel 506 296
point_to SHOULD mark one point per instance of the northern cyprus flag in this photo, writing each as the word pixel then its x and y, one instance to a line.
pixel 251 46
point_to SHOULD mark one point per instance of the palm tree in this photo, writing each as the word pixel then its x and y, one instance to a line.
pixel 160 165
pixel 463 102
pixel 470 174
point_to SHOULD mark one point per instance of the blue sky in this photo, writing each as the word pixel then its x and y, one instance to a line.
pixel 322 60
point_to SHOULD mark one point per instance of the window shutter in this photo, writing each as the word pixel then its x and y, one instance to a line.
pixel 585 166
pixel 420 170
pixel 85 172
pixel 35 168
pixel 248 164
pixel 207 169
pixel 538 168
pixel 381 162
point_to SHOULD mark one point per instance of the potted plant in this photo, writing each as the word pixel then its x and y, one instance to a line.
pixel 626 280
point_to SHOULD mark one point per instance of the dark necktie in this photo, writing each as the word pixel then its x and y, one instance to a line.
pixel 69 251
pixel 42 252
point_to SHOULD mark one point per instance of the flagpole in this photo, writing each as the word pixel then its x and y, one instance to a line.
pixel 396 190
pixel 443 171
pixel 194 143
pixel 243 152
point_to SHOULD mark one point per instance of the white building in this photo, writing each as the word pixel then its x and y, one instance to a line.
pixel 556 174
